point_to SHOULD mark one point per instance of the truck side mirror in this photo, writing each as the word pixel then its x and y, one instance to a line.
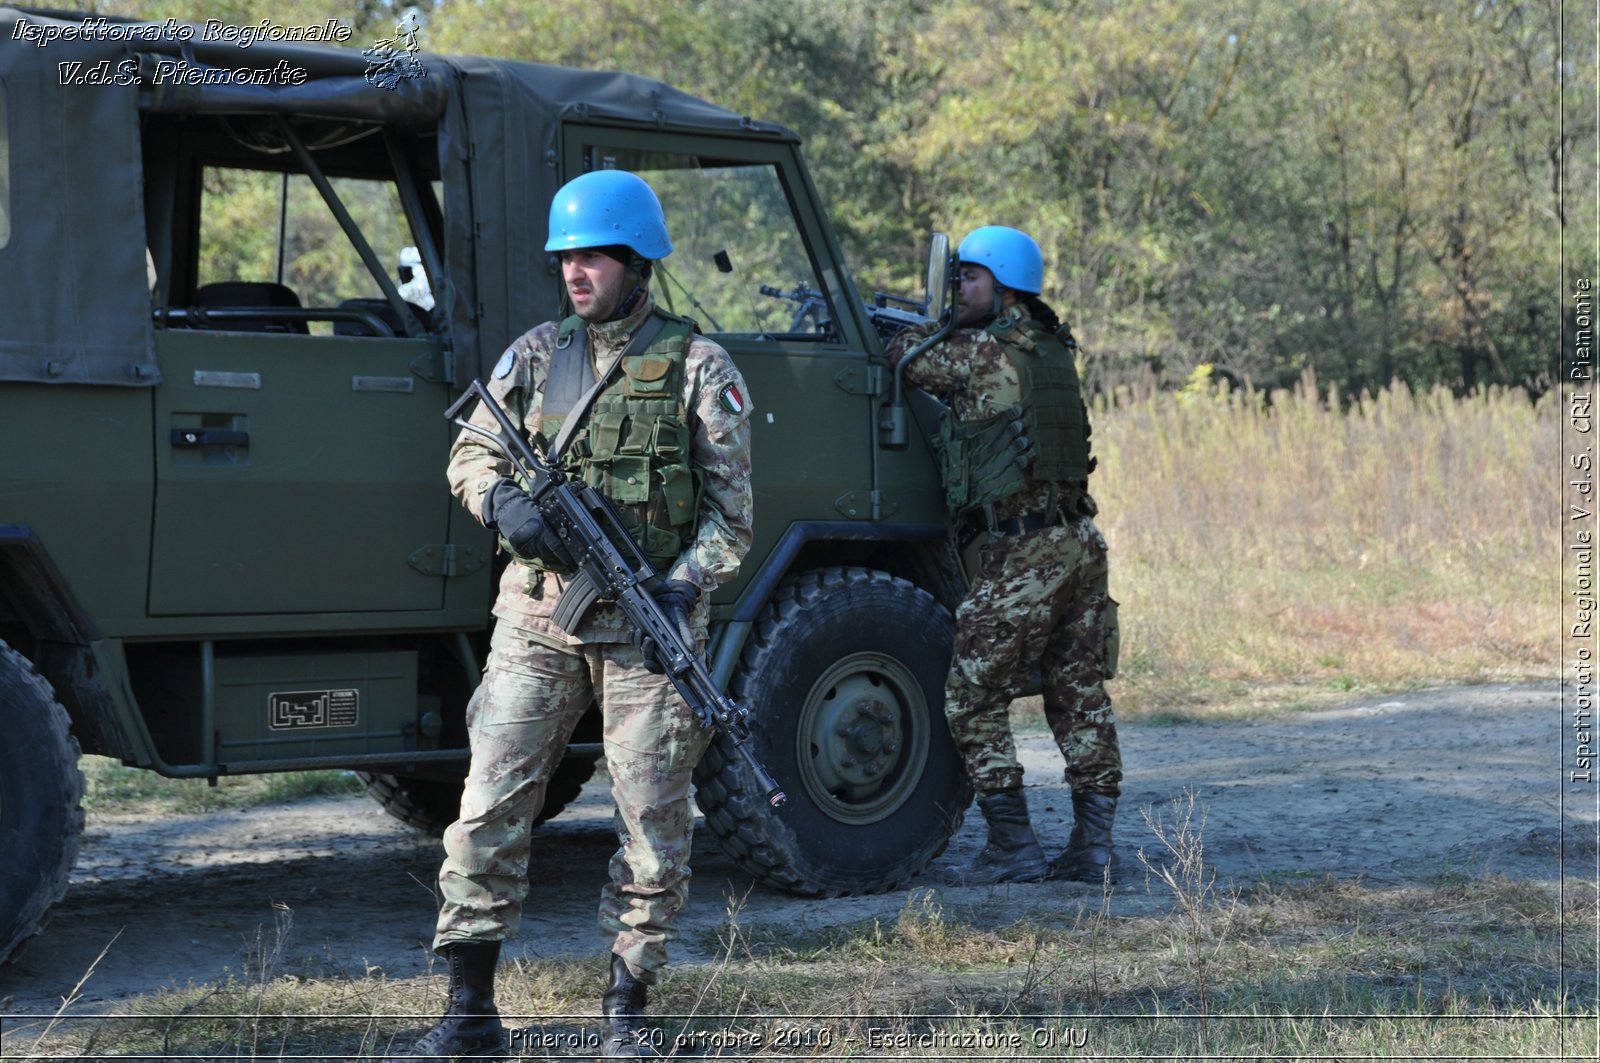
pixel 892 424
pixel 938 275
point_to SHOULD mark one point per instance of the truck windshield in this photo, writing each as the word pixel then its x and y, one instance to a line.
pixel 739 264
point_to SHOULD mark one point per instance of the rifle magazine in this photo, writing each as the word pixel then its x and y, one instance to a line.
pixel 575 602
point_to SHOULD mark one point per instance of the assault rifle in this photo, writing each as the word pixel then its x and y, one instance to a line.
pixel 590 527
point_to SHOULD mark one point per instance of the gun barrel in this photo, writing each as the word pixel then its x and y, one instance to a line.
pixel 771 791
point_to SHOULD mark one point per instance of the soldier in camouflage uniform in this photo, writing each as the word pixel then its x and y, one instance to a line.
pixel 1015 456
pixel 668 441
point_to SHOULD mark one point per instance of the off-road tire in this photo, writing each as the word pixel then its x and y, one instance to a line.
pixel 845 664
pixel 431 805
pixel 41 800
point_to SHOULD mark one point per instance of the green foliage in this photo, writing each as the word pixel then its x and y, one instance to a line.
pixel 1363 189
pixel 1368 189
pixel 112 788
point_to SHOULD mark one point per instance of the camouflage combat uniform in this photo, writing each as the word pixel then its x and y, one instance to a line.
pixel 539 680
pixel 1033 597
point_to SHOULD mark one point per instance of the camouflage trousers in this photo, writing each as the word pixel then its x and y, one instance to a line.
pixel 1038 598
pixel 519 721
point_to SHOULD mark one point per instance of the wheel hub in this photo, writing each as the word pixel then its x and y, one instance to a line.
pixel 861 734
pixel 858 723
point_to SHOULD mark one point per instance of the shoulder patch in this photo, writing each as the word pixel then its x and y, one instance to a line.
pixel 730 399
pixel 502 368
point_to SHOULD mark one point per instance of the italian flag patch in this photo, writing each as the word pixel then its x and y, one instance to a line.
pixel 730 399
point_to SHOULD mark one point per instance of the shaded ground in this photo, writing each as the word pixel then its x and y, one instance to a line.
pixel 1412 787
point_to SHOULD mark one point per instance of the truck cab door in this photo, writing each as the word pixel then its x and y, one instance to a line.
pixel 299 463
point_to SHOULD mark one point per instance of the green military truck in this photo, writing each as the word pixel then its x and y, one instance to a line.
pixel 226 542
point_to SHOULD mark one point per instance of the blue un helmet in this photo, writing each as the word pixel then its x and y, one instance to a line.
pixel 1010 254
pixel 605 208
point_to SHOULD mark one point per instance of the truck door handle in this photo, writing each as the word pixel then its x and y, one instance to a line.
pixel 209 437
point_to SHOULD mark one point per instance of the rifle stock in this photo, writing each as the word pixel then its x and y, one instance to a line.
pixel 592 530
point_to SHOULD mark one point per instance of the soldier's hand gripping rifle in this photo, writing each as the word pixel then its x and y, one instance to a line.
pixel 591 529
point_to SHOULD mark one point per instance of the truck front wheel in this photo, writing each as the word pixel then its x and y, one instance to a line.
pixel 845 678
pixel 41 794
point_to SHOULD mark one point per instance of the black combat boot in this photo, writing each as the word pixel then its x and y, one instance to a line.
pixel 1088 855
pixel 471 1025
pixel 1012 853
pixel 623 1034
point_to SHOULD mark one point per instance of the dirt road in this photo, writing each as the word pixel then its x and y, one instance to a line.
pixel 1398 788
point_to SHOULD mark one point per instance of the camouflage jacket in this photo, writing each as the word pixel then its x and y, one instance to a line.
pixel 971 371
pixel 720 452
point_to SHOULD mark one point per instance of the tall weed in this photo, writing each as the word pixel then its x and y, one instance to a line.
pixel 1300 539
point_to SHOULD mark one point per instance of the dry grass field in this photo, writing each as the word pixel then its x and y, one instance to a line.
pixel 1272 548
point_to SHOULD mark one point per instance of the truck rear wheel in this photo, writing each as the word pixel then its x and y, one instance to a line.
pixel 433 804
pixel 845 677
pixel 41 795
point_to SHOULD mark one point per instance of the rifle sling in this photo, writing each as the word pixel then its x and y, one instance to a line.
pixel 581 592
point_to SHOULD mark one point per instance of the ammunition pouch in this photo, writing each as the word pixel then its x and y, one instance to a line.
pixel 1111 647
pixel 635 445
pixel 983 461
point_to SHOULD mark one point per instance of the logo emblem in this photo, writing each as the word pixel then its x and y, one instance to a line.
pixel 502 368
pixel 730 399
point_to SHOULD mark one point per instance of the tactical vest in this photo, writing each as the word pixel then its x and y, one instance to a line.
pixel 634 445
pixel 1043 436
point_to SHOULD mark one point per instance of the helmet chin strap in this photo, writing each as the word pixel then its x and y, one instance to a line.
pixel 996 307
pixel 639 270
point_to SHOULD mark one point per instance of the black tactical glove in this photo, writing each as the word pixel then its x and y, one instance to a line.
pixel 677 598
pixel 508 509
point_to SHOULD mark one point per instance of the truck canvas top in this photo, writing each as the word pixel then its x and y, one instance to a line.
pixel 497 121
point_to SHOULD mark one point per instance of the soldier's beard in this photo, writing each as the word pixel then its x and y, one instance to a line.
pixel 614 300
pixel 970 315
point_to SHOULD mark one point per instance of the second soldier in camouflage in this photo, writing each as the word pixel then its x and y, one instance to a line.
pixel 1014 451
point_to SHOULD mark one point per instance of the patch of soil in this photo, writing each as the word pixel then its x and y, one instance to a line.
pixel 1404 788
